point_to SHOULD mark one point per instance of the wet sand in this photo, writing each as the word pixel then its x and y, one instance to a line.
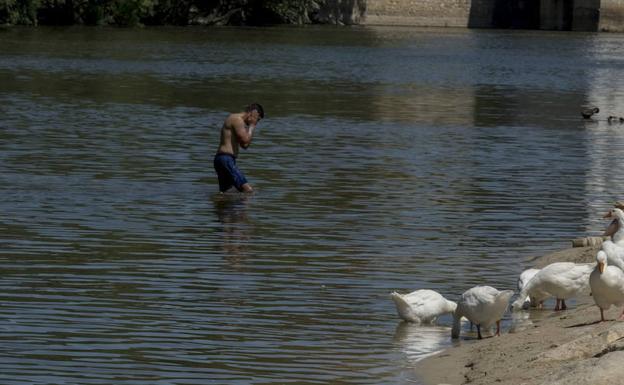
pixel 543 347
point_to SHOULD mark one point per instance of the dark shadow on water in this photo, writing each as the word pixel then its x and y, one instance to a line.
pixel 496 106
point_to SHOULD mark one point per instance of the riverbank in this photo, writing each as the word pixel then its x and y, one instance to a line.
pixel 568 347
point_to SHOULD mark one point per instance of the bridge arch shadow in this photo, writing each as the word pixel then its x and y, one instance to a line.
pixel 564 15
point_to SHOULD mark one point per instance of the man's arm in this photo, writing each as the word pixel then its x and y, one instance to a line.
pixel 243 133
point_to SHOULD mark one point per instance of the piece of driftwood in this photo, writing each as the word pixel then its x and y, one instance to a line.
pixel 588 241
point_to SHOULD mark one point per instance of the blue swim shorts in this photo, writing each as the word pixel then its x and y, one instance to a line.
pixel 229 175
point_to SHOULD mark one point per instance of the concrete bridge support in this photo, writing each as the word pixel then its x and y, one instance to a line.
pixel 611 16
pixel 425 13
pixel 556 14
pixel 567 15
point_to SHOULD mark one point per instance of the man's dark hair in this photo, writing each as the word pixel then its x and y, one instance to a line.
pixel 257 107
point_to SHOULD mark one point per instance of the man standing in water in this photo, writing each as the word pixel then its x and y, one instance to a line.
pixel 237 131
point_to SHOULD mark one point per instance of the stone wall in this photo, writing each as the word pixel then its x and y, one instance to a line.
pixel 343 12
pixel 555 16
pixel 576 15
pixel 586 15
pixel 611 16
pixel 427 13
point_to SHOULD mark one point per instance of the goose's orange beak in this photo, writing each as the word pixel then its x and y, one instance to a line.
pixel 601 267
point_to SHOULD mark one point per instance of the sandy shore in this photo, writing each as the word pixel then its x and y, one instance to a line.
pixel 549 348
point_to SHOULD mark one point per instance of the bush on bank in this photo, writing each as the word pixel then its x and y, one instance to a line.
pixel 179 12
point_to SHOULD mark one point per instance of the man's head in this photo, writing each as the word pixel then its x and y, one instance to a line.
pixel 255 112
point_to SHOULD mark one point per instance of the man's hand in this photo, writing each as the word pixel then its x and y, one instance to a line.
pixel 244 133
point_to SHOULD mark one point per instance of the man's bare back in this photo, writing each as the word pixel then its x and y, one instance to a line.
pixel 237 131
pixel 234 127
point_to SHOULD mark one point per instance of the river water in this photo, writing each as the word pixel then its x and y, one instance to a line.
pixel 389 159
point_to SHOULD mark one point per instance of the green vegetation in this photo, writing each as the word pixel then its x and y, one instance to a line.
pixel 172 12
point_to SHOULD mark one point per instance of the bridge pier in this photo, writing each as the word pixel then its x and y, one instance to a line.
pixel 565 15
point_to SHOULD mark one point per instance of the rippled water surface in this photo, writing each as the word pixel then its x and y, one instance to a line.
pixel 390 159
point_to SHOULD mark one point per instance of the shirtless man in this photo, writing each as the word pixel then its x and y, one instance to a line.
pixel 237 131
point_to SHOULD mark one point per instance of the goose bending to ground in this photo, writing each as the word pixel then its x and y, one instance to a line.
pixel 422 306
pixel 483 306
pixel 607 285
pixel 588 112
pixel 614 248
pixel 561 280
pixel 523 280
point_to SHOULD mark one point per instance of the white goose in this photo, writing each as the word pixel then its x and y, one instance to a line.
pixel 523 280
pixel 483 306
pixel 561 280
pixel 614 248
pixel 422 306
pixel 607 285
pixel 615 229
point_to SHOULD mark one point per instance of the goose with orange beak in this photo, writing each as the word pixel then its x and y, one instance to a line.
pixel 607 285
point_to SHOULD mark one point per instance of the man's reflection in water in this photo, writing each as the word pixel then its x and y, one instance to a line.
pixel 232 213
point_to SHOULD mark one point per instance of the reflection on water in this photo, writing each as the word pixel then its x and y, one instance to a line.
pixel 230 210
pixel 419 341
pixel 391 159
pixel 520 321
pixel 526 319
